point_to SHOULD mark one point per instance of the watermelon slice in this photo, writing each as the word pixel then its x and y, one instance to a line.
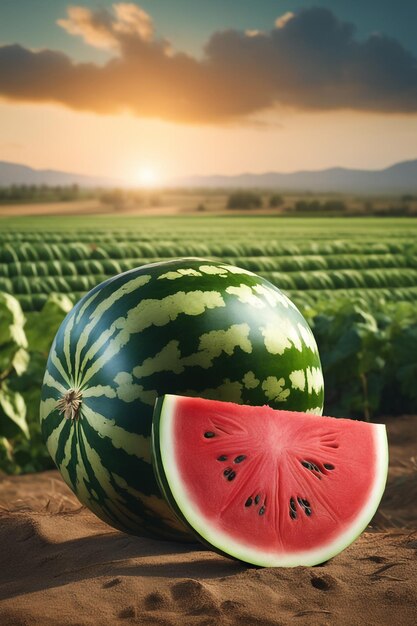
pixel 268 487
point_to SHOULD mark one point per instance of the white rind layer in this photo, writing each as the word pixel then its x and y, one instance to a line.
pixel 237 549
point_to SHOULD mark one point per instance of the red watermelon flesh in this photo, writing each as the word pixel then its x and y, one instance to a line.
pixel 265 486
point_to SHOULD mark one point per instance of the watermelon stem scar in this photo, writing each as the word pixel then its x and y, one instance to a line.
pixel 70 404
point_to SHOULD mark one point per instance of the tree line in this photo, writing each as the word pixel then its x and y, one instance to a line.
pixel 40 193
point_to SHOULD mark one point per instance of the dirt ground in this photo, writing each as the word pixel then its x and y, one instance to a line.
pixel 95 207
pixel 81 207
pixel 60 565
pixel 86 207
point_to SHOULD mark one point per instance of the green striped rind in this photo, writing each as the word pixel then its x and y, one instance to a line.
pixel 175 492
pixel 187 327
pixel 161 476
pixel 158 467
pixel 157 462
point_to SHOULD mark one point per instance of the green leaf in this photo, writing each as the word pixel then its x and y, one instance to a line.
pixel 12 336
pixel 13 358
pixel 12 413
pixel 12 321
pixel 7 354
pixel 41 327
pixel 405 359
pixel 20 361
pixel 15 334
pixel 32 398
pixel 6 448
pixel 348 345
pixel 32 378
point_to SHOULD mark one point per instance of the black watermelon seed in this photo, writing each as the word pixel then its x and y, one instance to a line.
pixel 328 466
pixel 248 502
pixel 262 510
pixel 258 497
pixel 293 506
pixel 227 471
pixel 309 466
pixel 306 503
pixel 300 501
pixel 240 458
pixel 223 457
pixel 307 511
pixel 293 514
pixel 231 476
pixel 209 434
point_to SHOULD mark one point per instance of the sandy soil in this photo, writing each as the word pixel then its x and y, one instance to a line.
pixel 83 207
pixel 94 207
pixel 60 565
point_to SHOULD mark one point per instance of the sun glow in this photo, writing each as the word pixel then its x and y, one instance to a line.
pixel 147 177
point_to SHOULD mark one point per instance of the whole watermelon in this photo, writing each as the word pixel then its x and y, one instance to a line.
pixel 190 327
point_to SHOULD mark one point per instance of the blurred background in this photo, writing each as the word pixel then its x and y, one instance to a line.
pixel 279 136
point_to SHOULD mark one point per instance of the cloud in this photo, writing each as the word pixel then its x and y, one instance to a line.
pixel 281 21
pixel 310 60
pixel 131 19
pixel 102 29
pixel 253 32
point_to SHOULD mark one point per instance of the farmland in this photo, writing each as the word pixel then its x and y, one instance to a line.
pixel 309 259
pixel 354 279
pixel 46 201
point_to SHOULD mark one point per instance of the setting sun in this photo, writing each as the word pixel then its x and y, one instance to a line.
pixel 147 177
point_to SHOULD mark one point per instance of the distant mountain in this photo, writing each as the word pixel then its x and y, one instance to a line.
pixel 399 178
pixel 16 174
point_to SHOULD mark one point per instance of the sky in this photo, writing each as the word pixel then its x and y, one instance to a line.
pixel 154 90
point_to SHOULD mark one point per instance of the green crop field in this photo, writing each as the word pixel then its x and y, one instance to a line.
pixel 354 279
pixel 310 259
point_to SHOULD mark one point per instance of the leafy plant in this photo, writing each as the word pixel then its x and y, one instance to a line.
pixel 21 445
pixel 369 356
pixel 14 360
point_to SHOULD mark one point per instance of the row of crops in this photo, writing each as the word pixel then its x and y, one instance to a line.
pixel 95 248
pixel 349 257
pixel 354 280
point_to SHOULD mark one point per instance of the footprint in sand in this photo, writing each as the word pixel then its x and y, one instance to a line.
pixel 193 597
pixel 375 559
pixel 128 612
pixel 323 583
pixel 155 601
pixel 230 606
pixel 111 583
